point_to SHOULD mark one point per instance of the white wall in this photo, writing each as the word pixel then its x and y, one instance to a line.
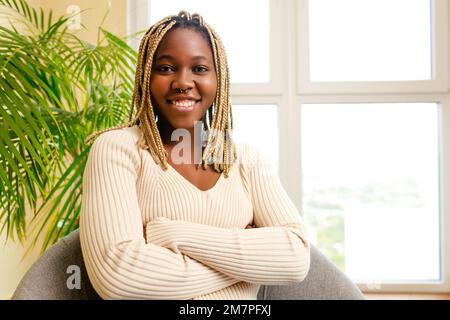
pixel 13 265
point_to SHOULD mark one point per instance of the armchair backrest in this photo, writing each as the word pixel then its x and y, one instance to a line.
pixel 60 274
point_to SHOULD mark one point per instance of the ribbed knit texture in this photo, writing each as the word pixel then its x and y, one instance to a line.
pixel 151 234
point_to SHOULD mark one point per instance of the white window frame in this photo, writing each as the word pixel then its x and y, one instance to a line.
pixel 438 83
pixel 434 90
pixel 289 88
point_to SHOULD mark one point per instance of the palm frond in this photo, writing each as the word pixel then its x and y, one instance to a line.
pixel 55 90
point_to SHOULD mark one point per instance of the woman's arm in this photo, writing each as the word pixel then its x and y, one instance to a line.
pixel 119 260
pixel 275 252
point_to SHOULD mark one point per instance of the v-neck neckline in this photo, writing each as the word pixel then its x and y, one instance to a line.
pixel 193 185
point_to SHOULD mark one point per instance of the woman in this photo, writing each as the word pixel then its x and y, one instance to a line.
pixel 200 218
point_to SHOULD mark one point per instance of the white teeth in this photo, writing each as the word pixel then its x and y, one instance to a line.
pixel 184 103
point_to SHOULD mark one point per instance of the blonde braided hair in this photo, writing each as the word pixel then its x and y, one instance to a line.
pixel 220 151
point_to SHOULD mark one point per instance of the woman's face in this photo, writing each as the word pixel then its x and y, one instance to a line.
pixel 183 61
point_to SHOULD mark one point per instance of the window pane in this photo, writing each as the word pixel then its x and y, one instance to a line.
pixel 371 188
pixel 262 133
pixel 242 25
pixel 370 40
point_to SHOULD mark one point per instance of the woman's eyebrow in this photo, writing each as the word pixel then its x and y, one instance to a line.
pixel 200 58
pixel 165 56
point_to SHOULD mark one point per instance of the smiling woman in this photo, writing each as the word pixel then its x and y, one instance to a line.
pixel 154 228
pixel 183 87
pixel 183 76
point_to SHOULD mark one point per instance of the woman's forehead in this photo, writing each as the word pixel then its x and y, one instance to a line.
pixel 182 42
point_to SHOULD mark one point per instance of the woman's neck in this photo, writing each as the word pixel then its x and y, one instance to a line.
pixel 187 141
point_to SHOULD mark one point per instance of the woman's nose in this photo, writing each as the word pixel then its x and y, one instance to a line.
pixel 183 80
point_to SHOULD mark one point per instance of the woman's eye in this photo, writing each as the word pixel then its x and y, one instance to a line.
pixel 200 69
pixel 164 68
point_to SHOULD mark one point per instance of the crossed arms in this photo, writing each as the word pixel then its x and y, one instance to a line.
pixel 175 259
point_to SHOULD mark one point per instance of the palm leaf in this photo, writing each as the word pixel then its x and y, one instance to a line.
pixel 55 90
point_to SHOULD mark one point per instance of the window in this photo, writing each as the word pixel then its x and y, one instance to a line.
pixel 373 98
pixel 351 100
pixel 371 187
pixel 354 40
pixel 258 125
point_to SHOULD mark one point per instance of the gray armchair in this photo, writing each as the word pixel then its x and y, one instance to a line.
pixel 49 276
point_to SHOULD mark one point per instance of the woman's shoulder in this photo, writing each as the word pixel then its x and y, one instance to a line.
pixel 128 136
pixel 247 153
pixel 252 160
pixel 128 132
pixel 117 145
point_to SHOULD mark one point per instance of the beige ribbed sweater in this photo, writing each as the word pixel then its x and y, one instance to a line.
pixel 151 234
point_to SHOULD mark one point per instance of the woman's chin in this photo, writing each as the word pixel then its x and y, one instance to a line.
pixel 187 125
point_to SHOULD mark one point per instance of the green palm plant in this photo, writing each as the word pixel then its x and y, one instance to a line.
pixel 55 90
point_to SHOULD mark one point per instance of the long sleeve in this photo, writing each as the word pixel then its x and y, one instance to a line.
pixel 119 260
pixel 275 252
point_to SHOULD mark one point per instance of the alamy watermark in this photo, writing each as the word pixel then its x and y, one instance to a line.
pixel 186 145
pixel 182 152
pixel 74 280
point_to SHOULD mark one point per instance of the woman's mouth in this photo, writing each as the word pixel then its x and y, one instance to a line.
pixel 183 105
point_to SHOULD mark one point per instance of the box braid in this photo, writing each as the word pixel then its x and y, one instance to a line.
pixel 220 150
